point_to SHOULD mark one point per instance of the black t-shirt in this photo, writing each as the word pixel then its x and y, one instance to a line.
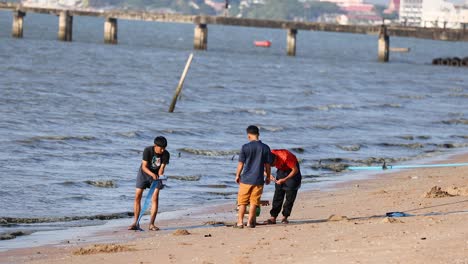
pixel 155 160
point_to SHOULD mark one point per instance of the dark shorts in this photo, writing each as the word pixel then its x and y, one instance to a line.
pixel 144 181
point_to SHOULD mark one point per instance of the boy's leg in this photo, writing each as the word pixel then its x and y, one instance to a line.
pixel 137 204
pixel 288 204
pixel 278 198
pixel 240 215
pixel 252 215
pixel 243 197
pixel 154 206
pixel 255 196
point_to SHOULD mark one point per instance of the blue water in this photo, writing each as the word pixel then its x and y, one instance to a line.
pixel 84 111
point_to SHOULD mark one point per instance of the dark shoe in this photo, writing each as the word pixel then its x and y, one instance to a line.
pixel 285 221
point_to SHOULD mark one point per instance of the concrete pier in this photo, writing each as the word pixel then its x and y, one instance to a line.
pixel 200 40
pixel 384 45
pixel 17 27
pixel 291 42
pixel 110 31
pixel 65 26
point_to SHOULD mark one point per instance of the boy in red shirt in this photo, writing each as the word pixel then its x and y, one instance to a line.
pixel 288 182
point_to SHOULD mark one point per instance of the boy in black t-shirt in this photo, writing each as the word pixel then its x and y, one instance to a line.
pixel 155 160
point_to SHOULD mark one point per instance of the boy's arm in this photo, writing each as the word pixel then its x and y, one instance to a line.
pixel 240 167
pixel 290 175
pixel 144 167
pixel 161 169
pixel 268 173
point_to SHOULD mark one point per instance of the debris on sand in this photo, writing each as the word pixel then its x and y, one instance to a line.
pixel 380 192
pixel 391 220
pixel 96 249
pixel 336 218
pixel 181 232
pixel 437 192
pixel 458 191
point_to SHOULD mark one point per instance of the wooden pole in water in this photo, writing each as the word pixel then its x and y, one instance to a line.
pixel 181 83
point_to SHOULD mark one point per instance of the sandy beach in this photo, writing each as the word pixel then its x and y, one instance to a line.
pixel 345 225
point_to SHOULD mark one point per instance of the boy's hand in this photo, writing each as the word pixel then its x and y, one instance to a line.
pixel 273 179
pixel 238 179
pixel 155 177
pixel 280 181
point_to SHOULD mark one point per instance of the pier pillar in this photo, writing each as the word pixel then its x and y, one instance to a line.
pixel 384 45
pixel 17 28
pixel 291 42
pixel 110 31
pixel 200 41
pixel 65 26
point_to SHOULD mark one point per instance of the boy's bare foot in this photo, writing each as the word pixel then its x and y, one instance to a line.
pixel 270 221
pixel 239 226
pixel 153 228
pixel 133 227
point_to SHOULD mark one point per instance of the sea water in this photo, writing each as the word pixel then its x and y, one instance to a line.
pixel 75 117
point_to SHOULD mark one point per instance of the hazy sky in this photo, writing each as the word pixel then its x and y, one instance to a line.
pixel 385 2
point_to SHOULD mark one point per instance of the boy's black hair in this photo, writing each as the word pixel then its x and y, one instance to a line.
pixel 160 142
pixel 253 130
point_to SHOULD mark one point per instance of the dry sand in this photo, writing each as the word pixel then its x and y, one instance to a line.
pixel 347 225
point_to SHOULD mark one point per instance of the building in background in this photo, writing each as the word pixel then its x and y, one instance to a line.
pixel 56 3
pixel 356 12
pixel 433 13
pixel 411 12
pixel 344 2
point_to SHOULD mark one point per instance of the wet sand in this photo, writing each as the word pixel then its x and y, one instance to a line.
pixel 345 225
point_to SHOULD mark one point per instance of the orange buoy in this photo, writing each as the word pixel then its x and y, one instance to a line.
pixel 262 43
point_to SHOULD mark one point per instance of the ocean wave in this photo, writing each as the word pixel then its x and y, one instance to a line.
pixel 411 137
pixel 15 220
pixel 403 145
pixel 13 235
pixel 325 127
pixel 185 178
pixel 328 107
pixel 207 152
pixel 271 128
pixel 214 186
pixel 413 97
pixel 224 194
pixel 461 121
pixel 102 184
pixel 462 95
pixel 460 136
pixel 78 198
pixel 355 147
pixel 56 139
pixel 68 183
pixel 130 134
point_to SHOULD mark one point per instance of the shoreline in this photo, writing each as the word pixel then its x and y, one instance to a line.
pixel 226 213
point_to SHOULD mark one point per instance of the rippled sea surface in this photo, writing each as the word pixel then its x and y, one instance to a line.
pixel 75 117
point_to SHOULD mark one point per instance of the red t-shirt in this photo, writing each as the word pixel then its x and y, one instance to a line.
pixel 285 160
